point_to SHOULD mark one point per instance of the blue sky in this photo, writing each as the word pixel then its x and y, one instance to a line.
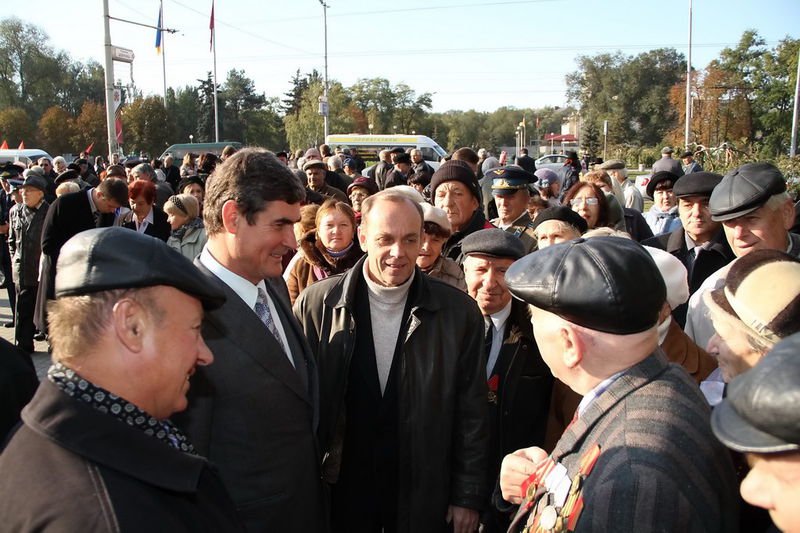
pixel 470 54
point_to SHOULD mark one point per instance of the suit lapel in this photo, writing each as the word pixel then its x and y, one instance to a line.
pixel 239 325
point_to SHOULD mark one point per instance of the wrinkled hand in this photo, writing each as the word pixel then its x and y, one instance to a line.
pixel 516 468
pixel 464 520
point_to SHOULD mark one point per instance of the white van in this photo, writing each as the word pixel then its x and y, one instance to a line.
pixel 369 146
pixel 23 156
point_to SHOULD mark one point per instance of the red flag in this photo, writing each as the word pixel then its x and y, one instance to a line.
pixel 211 27
pixel 537 122
pixel 21 145
pixel 89 150
pixel 4 146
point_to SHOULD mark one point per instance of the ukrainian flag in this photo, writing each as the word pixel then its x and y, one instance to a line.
pixel 158 32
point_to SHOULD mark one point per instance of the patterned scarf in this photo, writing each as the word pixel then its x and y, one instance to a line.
pixel 109 403
pixel 181 232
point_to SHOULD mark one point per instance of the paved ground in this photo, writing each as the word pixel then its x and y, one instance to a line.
pixel 41 359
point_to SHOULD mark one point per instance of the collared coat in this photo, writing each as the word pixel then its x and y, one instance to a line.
pixel 254 415
pixel 660 467
pixel 442 408
pixel 25 244
pixel 70 467
pixel 160 228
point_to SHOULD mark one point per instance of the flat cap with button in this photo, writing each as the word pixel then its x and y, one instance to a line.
pixel 104 259
pixel 744 190
pixel 493 242
pixel 696 184
pixel 607 284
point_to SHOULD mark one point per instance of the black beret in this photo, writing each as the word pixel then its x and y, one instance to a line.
pixel 696 184
pixel 493 242
pixel 67 175
pixel 657 178
pixel 104 259
pixel 188 181
pixel 687 153
pixel 759 413
pixel 607 284
pixel 744 190
pixel 564 214
pixel 510 179
pixel 455 170
pixel 74 166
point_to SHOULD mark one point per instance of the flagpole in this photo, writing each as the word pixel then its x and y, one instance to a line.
pixel 163 53
pixel 214 48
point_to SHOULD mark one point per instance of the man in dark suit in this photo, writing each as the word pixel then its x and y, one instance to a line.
pixel 700 242
pixel 254 412
pixel 69 215
pixel 519 381
pixel 639 454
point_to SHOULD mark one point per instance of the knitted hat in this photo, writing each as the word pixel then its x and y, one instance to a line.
pixel 762 290
pixel 455 170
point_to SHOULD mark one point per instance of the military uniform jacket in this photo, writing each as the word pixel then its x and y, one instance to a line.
pixel 659 466
pixel 522 228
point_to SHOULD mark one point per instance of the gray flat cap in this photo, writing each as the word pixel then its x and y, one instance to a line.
pixel 493 242
pixel 744 190
pixel 612 164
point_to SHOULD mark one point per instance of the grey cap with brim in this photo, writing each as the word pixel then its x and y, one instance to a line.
pixel 745 189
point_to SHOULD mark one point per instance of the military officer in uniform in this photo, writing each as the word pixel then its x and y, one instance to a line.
pixel 511 194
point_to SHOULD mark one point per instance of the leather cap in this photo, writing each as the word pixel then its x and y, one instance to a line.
pixel 607 284
pixel 696 184
pixel 104 259
pixel 759 413
pixel 657 178
pixel 493 242
pixel 564 214
pixel 744 190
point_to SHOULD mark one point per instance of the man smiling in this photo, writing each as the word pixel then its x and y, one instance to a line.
pixel 402 384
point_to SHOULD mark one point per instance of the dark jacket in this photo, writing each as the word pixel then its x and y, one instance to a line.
pixel 570 175
pixel 333 179
pixel 160 228
pixel 660 467
pixel 636 226
pixel 442 392
pixel 25 244
pixel 72 468
pixel 395 177
pixel 317 264
pixel 452 248
pixel 521 402
pixel 18 383
pixel 379 172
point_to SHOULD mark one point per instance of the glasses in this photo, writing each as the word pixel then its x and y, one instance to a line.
pixel 579 201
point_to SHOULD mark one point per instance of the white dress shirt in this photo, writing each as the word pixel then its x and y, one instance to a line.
pixel 498 320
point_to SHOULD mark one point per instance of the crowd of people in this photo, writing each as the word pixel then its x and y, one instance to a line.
pixel 298 342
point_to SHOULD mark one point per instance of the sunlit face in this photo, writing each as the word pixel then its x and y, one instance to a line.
pixel 457 202
pixel 511 206
pixel 553 232
pixel 391 238
pixel 696 218
pixel 335 231
pixel 774 484
pixel 60 166
pixel 416 156
pixel 173 348
pixel 587 205
pixel 729 345
pixel 486 282
pixel 430 250
pixel 195 190
pixel 762 229
pixel 31 196
pixel 664 199
pixel 357 196
pixel 141 207
pixel 176 220
pixel 316 178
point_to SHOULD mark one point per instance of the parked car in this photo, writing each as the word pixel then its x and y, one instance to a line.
pixel 23 156
pixel 177 151
pixel 551 161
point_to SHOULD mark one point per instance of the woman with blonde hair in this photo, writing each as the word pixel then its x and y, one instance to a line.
pixel 188 235
pixel 189 166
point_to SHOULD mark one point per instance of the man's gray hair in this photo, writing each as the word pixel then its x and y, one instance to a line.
pixel 145 168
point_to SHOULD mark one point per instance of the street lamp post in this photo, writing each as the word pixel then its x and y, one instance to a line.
pixel 191 139
pixel 325 89
pixel 370 128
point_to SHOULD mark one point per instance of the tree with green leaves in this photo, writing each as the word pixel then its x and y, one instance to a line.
pixel 305 129
pixel 147 126
pixel 16 126
pixel 241 102
pixel 205 115
pixel 56 130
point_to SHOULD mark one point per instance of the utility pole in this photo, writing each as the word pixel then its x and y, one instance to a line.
pixel 688 85
pixel 324 111
pixel 109 68
pixel 793 149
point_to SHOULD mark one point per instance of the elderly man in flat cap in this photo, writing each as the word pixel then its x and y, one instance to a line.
pixel 759 417
pixel 667 163
pixel 316 172
pixel 700 242
pixel 617 170
pixel 510 189
pixel 639 455
pixel 455 189
pixel 756 213
pixel 97 451
pixel 518 379
pixel 557 224
pixel 403 422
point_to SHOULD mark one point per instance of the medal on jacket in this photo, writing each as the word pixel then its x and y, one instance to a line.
pixel 493 383
pixel 555 502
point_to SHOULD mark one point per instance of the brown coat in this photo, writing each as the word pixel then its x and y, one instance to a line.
pixel 447 270
pixel 303 272
pixel 680 349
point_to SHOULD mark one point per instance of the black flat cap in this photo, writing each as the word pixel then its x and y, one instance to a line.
pixel 605 284
pixel 759 413
pixel 35 181
pixel 510 179
pixel 744 190
pixel 696 184
pixel 493 242
pixel 657 178
pixel 104 259
pixel 67 175
pixel 564 214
